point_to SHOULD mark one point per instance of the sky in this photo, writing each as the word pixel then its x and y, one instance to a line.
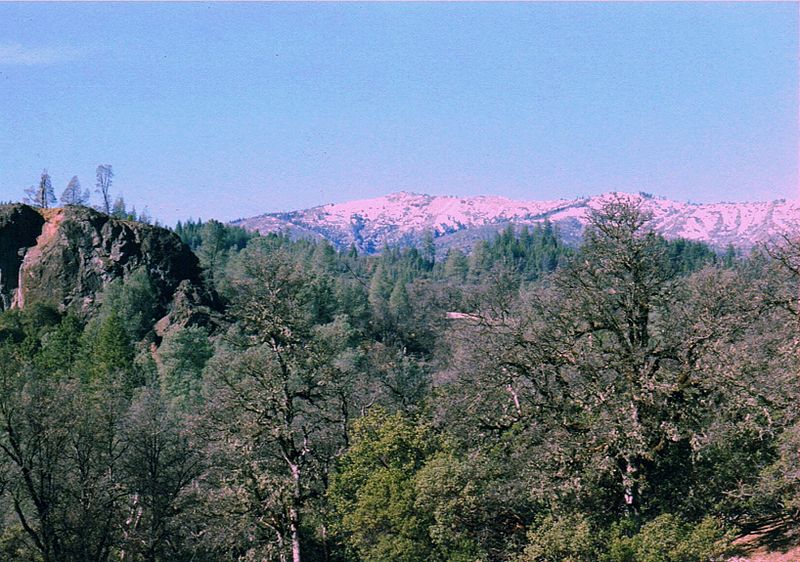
pixel 229 110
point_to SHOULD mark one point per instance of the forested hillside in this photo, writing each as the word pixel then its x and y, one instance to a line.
pixel 629 400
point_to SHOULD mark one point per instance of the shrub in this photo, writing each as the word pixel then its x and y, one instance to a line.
pixel 569 538
pixel 668 538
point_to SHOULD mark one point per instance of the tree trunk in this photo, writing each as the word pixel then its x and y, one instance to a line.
pixel 630 485
pixel 294 513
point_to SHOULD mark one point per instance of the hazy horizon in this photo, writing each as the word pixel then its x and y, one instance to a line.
pixel 231 110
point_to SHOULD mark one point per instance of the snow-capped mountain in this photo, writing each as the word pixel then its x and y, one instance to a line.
pixel 403 218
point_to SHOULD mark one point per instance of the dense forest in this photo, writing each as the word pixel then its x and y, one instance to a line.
pixel 629 400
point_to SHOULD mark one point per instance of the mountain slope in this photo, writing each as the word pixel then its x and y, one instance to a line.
pixel 402 218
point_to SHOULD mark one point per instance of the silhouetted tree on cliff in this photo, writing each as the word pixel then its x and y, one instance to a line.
pixel 103 186
pixel 41 195
pixel 73 194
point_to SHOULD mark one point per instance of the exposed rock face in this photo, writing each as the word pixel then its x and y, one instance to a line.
pixel 67 256
pixel 20 225
pixel 191 306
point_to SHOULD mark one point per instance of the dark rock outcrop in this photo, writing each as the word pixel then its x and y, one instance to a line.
pixel 67 256
pixel 191 306
pixel 20 225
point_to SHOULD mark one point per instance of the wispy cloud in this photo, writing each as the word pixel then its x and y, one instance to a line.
pixel 20 55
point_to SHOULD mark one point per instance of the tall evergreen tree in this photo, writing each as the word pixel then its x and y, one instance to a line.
pixel 73 194
pixel 399 304
pixel 119 210
pixel 41 196
pixel 456 266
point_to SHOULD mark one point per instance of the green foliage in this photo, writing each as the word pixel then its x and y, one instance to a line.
pixel 191 234
pixel 64 437
pixel 619 386
pixel 14 546
pixel 687 256
pixel 159 464
pixel 428 251
pixel 274 298
pixel 778 490
pixel 27 327
pixel 61 347
pixel 456 266
pixel 399 304
pixel 107 351
pixel 133 301
pixel 214 249
pixel 667 538
pixel 531 254
pixel 570 538
pixel 464 518
pixel 380 288
pixel 183 355
pixel 374 492
pixel 613 403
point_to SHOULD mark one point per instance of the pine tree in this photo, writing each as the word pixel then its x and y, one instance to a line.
pixel 428 249
pixel 111 350
pixel 73 194
pixel 456 266
pixel 380 287
pixel 480 260
pixel 399 305
pixel 119 210
pixel 41 196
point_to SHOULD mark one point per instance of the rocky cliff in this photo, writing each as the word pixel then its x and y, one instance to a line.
pixel 67 256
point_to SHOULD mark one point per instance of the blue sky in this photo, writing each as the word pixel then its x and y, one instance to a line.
pixel 228 110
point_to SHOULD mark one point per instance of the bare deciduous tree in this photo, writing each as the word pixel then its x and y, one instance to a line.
pixel 279 407
pixel 105 175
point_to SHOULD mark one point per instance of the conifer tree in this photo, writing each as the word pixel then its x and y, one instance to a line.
pixel 73 194
pixel 119 210
pixel 41 196
pixel 456 266
pixel 479 260
pixel 399 304
pixel 379 288
pixel 428 249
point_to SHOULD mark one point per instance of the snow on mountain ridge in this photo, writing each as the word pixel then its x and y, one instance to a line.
pixel 403 217
pixel 411 210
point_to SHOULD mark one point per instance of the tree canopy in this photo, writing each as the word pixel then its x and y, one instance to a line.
pixel 628 399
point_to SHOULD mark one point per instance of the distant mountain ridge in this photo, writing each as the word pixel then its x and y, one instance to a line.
pixel 403 218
